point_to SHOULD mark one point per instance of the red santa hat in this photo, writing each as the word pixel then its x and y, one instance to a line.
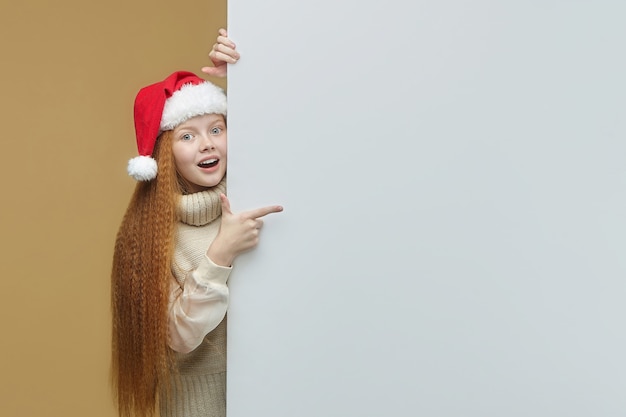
pixel 163 106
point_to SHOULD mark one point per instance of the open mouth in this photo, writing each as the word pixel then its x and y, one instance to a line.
pixel 209 163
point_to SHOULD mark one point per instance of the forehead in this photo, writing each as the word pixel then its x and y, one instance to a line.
pixel 200 121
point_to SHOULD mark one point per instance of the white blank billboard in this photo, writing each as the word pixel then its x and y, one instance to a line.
pixel 454 181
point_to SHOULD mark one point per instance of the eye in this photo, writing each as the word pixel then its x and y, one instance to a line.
pixel 186 136
pixel 216 130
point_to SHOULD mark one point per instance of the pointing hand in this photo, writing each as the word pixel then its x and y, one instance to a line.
pixel 239 232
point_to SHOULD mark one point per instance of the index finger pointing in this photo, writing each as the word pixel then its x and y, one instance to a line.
pixel 263 211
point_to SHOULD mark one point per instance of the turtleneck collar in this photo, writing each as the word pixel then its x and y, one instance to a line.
pixel 201 208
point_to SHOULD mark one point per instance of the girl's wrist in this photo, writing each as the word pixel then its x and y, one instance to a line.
pixel 219 257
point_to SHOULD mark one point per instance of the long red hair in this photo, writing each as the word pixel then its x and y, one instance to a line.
pixel 142 363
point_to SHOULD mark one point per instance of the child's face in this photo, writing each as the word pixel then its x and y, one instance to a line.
pixel 199 148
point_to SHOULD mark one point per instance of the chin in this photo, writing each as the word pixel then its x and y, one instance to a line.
pixel 194 187
pixel 212 182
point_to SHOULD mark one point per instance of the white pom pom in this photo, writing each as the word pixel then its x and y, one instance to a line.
pixel 142 168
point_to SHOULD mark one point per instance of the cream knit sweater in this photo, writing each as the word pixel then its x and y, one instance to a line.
pixel 199 295
pixel 198 304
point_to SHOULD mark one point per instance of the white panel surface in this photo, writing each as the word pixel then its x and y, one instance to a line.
pixel 454 181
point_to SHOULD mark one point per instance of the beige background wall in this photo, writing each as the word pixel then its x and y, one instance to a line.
pixel 70 70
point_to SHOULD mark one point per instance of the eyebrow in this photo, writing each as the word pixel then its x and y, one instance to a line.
pixel 182 127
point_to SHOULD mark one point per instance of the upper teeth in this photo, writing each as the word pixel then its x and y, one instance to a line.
pixel 208 161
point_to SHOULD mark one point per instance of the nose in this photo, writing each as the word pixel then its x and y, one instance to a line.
pixel 207 144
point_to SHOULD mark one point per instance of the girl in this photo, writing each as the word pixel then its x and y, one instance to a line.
pixel 175 249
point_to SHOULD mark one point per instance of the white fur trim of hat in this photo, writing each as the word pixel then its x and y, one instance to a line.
pixel 190 101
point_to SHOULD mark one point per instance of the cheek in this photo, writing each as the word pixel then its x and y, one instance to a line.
pixel 176 156
pixel 181 156
pixel 181 162
pixel 223 148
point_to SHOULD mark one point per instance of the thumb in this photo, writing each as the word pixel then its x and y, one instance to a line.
pixel 225 204
pixel 219 71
